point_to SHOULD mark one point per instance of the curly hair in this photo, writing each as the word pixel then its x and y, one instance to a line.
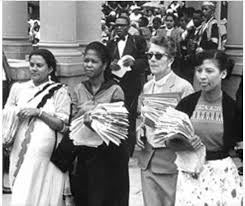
pixel 224 62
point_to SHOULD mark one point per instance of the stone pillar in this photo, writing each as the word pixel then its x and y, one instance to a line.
pixel 234 46
pixel 65 26
pixel 89 24
pixel 16 43
pixel 58 33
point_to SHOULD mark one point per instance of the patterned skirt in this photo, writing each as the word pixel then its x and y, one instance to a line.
pixel 217 185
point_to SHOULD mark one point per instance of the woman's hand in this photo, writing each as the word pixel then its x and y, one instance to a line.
pixel 139 136
pixel 196 143
pixel 85 107
pixel 179 142
pixel 28 112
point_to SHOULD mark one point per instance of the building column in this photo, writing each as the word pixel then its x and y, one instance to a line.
pixel 16 43
pixel 234 46
pixel 58 33
pixel 89 24
pixel 64 27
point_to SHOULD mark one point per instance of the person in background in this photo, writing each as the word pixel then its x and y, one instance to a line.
pixel 158 170
pixel 156 26
pixel 101 175
pixel 6 83
pixel 132 82
pixel 144 29
pixel 209 37
pixel 43 107
pixel 189 46
pixel 175 33
pixel 214 117
pixel 239 102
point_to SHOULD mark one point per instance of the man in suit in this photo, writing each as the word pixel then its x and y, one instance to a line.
pixel 132 82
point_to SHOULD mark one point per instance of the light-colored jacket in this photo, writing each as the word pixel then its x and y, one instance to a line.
pixel 162 160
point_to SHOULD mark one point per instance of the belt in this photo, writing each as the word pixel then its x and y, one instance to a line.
pixel 210 155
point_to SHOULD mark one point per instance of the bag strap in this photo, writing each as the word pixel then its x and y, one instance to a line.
pixel 56 133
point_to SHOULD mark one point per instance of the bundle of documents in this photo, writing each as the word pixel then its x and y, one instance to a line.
pixel 165 124
pixel 123 69
pixel 10 125
pixel 109 122
pixel 154 106
pixel 171 124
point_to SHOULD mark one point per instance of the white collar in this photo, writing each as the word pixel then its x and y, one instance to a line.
pixel 163 80
pixel 39 87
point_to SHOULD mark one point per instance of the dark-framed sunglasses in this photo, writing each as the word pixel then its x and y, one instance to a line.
pixel 158 56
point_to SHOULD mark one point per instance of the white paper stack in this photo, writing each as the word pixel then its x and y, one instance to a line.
pixel 109 122
pixel 175 125
pixel 10 123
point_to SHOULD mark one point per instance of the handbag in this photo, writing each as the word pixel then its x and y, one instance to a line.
pixel 65 153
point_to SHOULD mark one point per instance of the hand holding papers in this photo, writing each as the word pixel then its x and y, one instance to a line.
pixel 165 124
pixel 124 64
pixel 108 120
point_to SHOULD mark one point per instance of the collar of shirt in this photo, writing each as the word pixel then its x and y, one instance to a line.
pixel 163 80
pixel 39 87
pixel 169 31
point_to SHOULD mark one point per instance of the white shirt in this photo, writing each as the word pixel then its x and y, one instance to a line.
pixel 121 45
pixel 168 33
pixel 157 85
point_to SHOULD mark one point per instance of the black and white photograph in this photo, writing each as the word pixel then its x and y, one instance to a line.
pixel 122 103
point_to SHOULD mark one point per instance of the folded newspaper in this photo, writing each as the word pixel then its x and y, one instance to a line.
pixel 10 123
pixel 163 122
pixel 123 69
pixel 109 122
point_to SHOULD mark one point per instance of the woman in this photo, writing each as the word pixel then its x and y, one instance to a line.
pixel 101 177
pixel 209 35
pixel 158 171
pixel 174 32
pixel 213 115
pixel 43 107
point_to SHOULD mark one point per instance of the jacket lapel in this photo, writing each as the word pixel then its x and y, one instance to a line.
pixel 128 49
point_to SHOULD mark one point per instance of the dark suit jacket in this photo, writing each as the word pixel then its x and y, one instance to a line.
pixel 136 47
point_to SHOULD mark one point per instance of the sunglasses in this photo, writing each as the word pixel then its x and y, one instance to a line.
pixel 158 56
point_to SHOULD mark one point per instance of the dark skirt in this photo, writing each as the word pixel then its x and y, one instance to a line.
pixel 101 176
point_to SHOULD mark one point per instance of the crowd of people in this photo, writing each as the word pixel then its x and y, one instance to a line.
pixel 162 51
pixel 192 29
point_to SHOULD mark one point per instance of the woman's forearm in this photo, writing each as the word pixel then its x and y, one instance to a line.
pixel 52 121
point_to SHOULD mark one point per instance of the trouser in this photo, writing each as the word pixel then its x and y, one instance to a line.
pixel 158 189
pixel 132 103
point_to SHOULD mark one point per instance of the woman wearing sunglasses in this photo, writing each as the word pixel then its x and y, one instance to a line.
pixel 158 170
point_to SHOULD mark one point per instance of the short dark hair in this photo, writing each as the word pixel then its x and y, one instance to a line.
pixel 172 15
pixel 224 62
pixel 144 20
pixel 157 19
pixel 49 59
pixel 167 42
pixel 198 12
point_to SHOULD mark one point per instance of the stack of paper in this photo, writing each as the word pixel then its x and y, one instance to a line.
pixel 10 125
pixel 109 122
pixel 154 105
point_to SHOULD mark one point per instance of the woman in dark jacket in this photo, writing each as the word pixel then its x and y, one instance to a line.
pixel 213 115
